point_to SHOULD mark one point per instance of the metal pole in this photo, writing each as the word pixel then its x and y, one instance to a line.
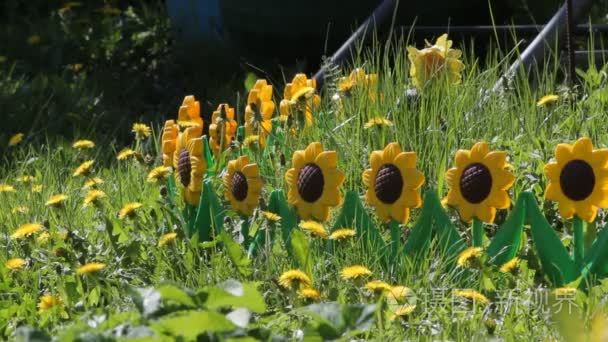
pixel 570 42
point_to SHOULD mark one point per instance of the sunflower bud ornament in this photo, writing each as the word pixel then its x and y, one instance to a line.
pixel 393 183
pixel 299 99
pixel 222 129
pixel 314 182
pixel 479 185
pixel 259 110
pixel 434 61
pixel 189 113
pixel 169 141
pixel 189 163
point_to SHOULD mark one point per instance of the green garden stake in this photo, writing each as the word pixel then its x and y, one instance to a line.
pixel 202 221
pixel 171 190
pixel 245 224
pixel 395 230
pixel 578 226
pixel 278 204
pixel 240 133
pixel 477 231
pixel 216 210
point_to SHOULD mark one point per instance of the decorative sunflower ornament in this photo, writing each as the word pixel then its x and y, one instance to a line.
pixel 258 112
pixel 222 129
pixel 358 78
pixel 578 179
pixel 189 113
pixel 299 99
pixel 243 185
pixel 478 186
pixel 314 182
pixel 169 141
pixel 189 163
pixel 393 183
pixel 435 60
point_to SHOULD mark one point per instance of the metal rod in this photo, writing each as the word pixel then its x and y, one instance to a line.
pixel 380 14
pixel 570 43
pixel 500 29
pixel 554 29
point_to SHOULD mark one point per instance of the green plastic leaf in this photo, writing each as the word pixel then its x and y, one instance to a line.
pixel 233 294
pixel 208 156
pixel 507 241
pixel 354 215
pixel 449 240
pixel 215 207
pixel 236 254
pixel 597 256
pixel 554 258
pixel 278 204
pixel 190 324
pixel 421 233
pixel 301 250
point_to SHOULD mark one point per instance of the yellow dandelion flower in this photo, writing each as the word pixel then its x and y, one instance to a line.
pixel 20 210
pixel 37 188
pixel 578 179
pixel 129 209
pixel 270 216
pixel 26 230
pixel 314 228
pixel 434 61
pixel 294 279
pixel 309 293
pixel 141 131
pixel 158 173
pixel 398 293
pixel 510 266
pixel 15 139
pixel 564 291
pixel 56 200
pixel 93 182
pixel 378 122
pixel 547 100
pixel 91 267
pixel 84 168
pixel 25 179
pixel 378 286
pixel 342 234
pixel 125 154
pixel 354 272
pixel 403 311
pixel 472 295
pixel 15 264
pixel 251 141
pixel 83 144
pixel 469 256
pixel 93 196
pixel 49 301
pixel 7 188
pixel 34 39
pixel 43 238
pixel 166 239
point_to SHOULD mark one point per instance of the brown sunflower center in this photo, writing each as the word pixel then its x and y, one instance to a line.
pixel 310 182
pixel 389 184
pixel 577 180
pixel 476 183
pixel 184 167
pixel 238 186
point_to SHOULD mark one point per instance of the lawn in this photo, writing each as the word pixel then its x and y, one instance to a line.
pixel 282 219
